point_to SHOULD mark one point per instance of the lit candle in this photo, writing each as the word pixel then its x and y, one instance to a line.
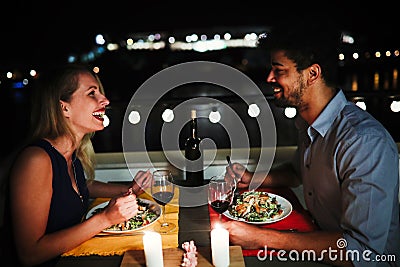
pixel 220 246
pixel 153 249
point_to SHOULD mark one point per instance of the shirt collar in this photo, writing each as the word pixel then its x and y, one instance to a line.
pixel 325 120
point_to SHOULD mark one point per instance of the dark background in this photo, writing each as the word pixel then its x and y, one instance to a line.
pixel 46 31
pixel 38 34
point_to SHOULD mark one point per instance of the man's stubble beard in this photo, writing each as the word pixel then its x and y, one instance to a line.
pixel 296 95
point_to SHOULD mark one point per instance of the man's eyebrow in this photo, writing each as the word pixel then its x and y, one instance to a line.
pixel 274 63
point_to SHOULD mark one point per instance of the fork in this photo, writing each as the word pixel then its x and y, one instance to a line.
pixel 236 192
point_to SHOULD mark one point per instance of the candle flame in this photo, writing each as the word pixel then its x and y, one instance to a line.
pixel 218 226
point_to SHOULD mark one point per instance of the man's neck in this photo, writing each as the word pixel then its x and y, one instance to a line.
pixel 316 104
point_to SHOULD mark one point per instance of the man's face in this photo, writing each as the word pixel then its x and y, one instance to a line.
pixel 288 84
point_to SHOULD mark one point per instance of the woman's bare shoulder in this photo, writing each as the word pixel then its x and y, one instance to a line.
pixel 32 160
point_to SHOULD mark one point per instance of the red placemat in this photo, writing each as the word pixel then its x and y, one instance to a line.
pixel 298 219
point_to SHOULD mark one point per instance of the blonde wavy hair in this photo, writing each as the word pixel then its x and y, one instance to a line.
pixel 47 119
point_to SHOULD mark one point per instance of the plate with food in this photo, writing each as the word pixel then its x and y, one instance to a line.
pixel 258 207
pixel 149 212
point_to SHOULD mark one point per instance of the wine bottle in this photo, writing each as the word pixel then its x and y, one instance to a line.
pixel 193 154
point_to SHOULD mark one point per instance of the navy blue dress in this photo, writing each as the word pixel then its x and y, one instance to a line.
pixel 66 208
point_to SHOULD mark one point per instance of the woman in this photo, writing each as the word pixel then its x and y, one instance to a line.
pixel 52 178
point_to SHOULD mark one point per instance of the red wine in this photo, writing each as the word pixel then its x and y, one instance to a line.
pixel 163 198
pixel 220 205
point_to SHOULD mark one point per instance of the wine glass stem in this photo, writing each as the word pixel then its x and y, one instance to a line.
pixel 219 215
pixel 164 221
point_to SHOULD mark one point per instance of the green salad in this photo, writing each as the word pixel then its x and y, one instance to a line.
pixel 255 206
pixel 144 217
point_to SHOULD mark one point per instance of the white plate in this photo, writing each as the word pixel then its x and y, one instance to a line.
pixel 152 206
pixel 285 205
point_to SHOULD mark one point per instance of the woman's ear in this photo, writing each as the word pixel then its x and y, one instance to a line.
pixel 64 108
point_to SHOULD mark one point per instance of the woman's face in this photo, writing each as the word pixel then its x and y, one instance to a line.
pixel 87 106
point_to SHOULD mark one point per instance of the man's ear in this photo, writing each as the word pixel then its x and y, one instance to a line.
pixel 314 72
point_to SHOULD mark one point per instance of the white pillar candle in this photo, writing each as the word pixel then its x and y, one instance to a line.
pixel 220 247
pixel 153 253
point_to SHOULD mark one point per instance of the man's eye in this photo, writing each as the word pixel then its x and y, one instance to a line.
pixel 92 92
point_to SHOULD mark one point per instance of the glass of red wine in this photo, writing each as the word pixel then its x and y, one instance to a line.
pixel 162 191
pixel 220 194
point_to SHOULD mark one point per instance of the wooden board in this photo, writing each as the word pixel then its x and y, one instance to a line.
pixel 173 257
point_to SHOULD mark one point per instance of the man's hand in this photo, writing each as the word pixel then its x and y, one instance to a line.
pixel 238 172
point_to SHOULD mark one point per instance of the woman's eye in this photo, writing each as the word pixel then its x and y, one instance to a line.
pixel 92 92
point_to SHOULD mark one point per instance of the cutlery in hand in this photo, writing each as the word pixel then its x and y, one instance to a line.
pixel 235 190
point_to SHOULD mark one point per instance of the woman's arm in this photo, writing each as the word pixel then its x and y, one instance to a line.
pixel 31 193
pixel 141 181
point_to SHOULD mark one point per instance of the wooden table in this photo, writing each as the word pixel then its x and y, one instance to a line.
pixel 173 257
pixel 194 224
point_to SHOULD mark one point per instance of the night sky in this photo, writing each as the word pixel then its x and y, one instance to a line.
pixel 35 34
pixel 41 32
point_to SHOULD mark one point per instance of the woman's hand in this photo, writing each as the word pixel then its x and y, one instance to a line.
pixel 121 209
pixel 141 181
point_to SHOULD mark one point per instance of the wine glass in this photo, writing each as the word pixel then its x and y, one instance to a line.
pixel 162 191
pixel 220 194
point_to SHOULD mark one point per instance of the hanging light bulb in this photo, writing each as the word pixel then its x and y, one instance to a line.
pixel 168 115
pixel 106 120
pixel 214 116
pixel 290 112
pixel 253 110
pixel 134 117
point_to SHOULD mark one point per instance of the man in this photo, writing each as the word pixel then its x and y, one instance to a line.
pixel 346 160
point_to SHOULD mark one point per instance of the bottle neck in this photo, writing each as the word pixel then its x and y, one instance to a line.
pixel 193 127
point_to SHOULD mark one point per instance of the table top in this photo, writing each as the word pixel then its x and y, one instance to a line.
pixel 173 257
pixel 194 224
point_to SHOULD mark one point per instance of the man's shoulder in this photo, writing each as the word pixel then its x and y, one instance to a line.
pixel 357 125
pixel 360 122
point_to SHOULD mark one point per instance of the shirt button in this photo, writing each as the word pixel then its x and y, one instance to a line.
pixel 307 166
pixel 310 194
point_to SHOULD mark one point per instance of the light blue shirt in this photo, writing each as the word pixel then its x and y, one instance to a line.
pixel 349 166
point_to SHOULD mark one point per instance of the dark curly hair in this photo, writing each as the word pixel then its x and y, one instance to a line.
pixel 307 44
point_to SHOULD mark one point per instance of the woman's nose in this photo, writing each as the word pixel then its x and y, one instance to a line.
pixel 104 101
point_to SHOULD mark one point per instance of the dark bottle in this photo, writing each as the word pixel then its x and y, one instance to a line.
pixel 194 156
